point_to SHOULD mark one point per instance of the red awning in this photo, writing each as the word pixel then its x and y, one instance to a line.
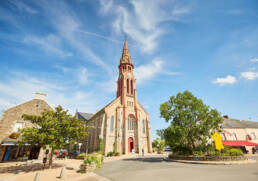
pixel 239 143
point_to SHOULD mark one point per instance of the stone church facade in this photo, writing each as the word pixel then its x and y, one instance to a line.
pixel 123 123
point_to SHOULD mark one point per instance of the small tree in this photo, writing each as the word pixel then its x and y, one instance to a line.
pixel 191 121
pixel 160 133
pixel 55 129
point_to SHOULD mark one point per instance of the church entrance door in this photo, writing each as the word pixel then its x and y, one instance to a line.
pixel 130 145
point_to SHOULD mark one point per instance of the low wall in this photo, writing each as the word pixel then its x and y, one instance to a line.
pixel 207 158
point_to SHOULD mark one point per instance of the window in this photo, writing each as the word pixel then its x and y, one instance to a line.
pixel 223 137
pixel 18 126
pixel 112 124
pixel 130 123
pixel 127 85
pixel 131 86
pixel 234 136
pixel 129 68
pixel 143 126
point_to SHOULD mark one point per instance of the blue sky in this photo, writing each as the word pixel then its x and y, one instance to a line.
pixel 70 50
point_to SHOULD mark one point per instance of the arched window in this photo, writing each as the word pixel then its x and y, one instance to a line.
pixel 131 86
pixel 112 124
pixel 127 86
pixel 143 126
pixel 234 136
pixel 131 123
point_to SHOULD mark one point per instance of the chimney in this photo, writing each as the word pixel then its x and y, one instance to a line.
pixel 226 116
pixel 40 96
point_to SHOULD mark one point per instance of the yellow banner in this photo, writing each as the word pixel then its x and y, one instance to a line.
pixel 217 139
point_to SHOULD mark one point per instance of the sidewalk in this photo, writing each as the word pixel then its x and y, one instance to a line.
pixel 72 165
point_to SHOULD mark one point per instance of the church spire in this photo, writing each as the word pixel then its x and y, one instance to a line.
pixel 126 58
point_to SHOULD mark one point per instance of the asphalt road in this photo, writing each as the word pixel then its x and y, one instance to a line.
pixel 155 169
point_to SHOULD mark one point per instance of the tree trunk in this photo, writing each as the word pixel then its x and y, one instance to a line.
pixel 51 158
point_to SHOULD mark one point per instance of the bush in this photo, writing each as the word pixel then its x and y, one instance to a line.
pixel 109 154
pixel 88 160
pixel 81 156
pixel 116 154
pixel 94 158
pixel 234 152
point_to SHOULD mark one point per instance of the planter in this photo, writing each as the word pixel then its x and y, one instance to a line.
pixel 86 168
pixel 207 158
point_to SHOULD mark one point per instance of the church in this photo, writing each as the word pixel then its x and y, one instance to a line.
pixel 123 124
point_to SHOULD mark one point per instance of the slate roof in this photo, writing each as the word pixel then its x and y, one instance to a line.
pixel 236 123
pixel 84 116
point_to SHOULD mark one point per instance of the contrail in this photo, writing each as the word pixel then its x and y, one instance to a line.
pixel 101 36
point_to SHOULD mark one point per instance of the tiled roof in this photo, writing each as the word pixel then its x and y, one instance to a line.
pixel 235 123
pixel 85 116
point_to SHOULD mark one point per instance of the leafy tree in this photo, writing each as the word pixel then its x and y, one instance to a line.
pixel 160 133
pixel 55 129
pixel 159 144
pixel 191 122
pixel 155 143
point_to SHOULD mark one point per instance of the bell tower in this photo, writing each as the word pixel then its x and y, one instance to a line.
pixel 126 81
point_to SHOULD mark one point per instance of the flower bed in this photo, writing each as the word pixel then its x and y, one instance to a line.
pixel 207 158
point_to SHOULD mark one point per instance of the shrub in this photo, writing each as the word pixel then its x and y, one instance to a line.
pixel 234 152
pixel 94 158
pixel 100 146
pixel 81 156
pixel 109 154
pixel 88 160
pixel 116 154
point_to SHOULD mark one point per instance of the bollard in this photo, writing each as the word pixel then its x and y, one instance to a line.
pixel 63 173
pixel 37 177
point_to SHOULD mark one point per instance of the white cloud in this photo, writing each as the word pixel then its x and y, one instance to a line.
pixel 23 7
pixel 147 71
pixel 225 80
pixel 180 11
pixel 21 87
pixel 249 75
pixel 83 76
pixel 254 60
pixel 50 44
pixel 143 22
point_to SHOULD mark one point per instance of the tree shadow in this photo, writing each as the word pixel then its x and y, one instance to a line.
pixel 28 168
pixel 147 159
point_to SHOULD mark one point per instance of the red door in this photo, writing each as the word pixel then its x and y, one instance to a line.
pixel 130 144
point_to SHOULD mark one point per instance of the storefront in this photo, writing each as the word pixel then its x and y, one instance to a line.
pixel 11 151
pixel 246 146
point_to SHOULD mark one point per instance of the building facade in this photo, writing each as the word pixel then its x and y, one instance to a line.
pixel 123 124
pixel 10 123
pixel 240 133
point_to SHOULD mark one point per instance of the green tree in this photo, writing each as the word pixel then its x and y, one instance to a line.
pixel 56 129
pixel 160 133
pixel 191 122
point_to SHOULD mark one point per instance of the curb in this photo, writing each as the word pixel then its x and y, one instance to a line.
pixel 212 163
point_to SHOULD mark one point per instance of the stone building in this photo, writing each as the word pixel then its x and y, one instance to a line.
pixel 240 133
pixel 11 121
pixel 123 123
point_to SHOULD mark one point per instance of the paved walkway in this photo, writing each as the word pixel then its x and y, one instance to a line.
pixel 153 168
